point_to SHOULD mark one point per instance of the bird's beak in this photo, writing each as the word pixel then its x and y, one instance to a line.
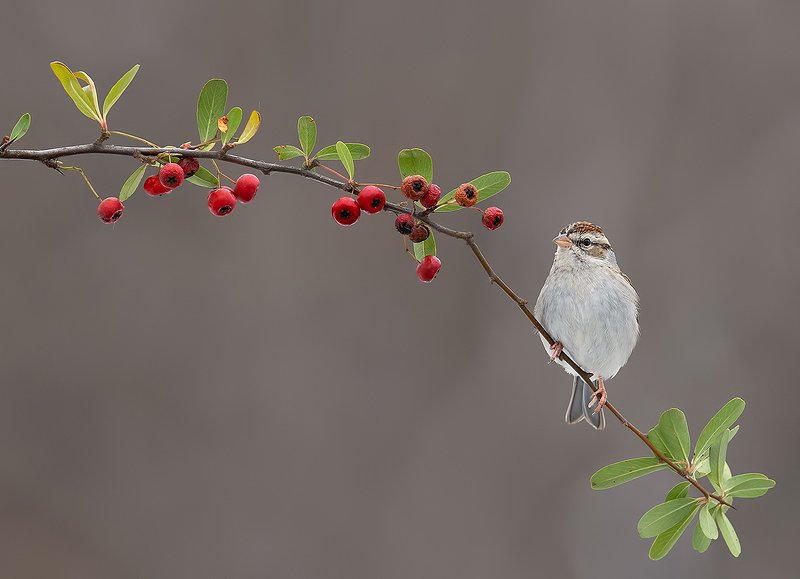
pixel 562 241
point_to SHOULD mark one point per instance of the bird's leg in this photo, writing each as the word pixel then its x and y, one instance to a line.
pixel 600 396
pixel 557 348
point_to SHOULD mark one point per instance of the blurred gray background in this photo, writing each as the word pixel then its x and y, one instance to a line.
pixel 272 395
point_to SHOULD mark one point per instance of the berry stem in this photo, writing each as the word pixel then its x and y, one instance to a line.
pixel 395 187
pixel 334 172
pixel 134 137
pixel 85 178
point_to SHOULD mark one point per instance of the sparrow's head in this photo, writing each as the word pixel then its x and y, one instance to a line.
pixel 584 240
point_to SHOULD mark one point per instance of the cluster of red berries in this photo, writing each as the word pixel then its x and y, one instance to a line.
pixel 221 201
pixel 371 199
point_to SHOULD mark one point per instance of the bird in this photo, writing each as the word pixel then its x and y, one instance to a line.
pixel 591 310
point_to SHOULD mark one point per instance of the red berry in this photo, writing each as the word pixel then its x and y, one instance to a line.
pixel 466 195
pixel 246 187
pixel 110 210
pixel 432 197
pixel 420 233
pixel 153 186
pixel 171 175
pixel 190 165
pixel 428 268
pixel 221 201
pixel 371 199
pixel 414 187
pixel 493 218
pixel 404 223
pixel 346 211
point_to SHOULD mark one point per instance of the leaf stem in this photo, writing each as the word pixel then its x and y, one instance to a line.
pixel 134 137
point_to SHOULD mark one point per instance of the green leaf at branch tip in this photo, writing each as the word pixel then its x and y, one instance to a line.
pixel 748 486
pixel 210 107
pixel 118 88
pixel 707 524
pixel 624 471
pixel 728 533
pixel 679 491
pixel 204 178
pixel 722 420
pixel 307 133
pixel 74 90
pixel 665 516
pixel 700 542
pixel 251 128
pixel 665 541
pixel 286 152
pixel 131 183
pixel 716 459
pixel 22 126
pixel 234 117
pixel 674 432
pixel 346 158
pixel 90 89
pixel 487 185
pixel 357 151
pixel 415 162
pixel 425 248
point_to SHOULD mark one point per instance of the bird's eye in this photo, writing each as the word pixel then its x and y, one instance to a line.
pixel 563 231
pixel 586 242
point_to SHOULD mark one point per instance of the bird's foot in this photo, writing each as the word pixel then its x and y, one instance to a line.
pixel 557 348
pixel 600 396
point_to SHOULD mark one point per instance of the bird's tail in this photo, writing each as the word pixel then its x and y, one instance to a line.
pixel 578 408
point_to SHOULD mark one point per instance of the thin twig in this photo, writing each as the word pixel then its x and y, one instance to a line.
pixel 47 156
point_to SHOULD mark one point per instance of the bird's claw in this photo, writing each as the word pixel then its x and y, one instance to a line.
pixel 600 397
pixel 557 348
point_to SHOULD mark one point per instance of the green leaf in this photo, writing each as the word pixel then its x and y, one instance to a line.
pixel 748 486
pixel 702 469
pixel 722 420
pixel 487 185
pixel 307 133
pixel 679 491
pixel 118 88
pixel 204 178
pixel 716 459
pixel 665 516
pixel 415 162
pixel 210 107
pixel 425 248
pixel 234 117
pixel 665 541
pixel 624 471
pixel 346 158
pixel 22 126
pixel 700 542
pixel 251 128
pixel 657 439
pixel 357 151
pixel 131 183
pixel 707 524
pixel 675 434
pixel 728 533
pixel 289 152
pixel 90 90
pixel 74 90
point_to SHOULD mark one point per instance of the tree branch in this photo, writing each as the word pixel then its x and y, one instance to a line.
pixel 50 156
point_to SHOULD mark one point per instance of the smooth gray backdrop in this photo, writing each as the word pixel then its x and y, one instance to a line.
pixel 272 395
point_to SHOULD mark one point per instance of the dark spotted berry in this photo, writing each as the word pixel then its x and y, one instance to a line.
pixel 190 165
pixel 404 223
pixel 110 210
pixel 346 211
pixel 466 195
pixel 221 201
pixel 493 218
pixel 414 187
pixel 420 233
pixel 171 175
pixel 371 199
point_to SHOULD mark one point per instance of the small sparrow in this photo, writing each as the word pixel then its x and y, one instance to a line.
pixel 590 309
